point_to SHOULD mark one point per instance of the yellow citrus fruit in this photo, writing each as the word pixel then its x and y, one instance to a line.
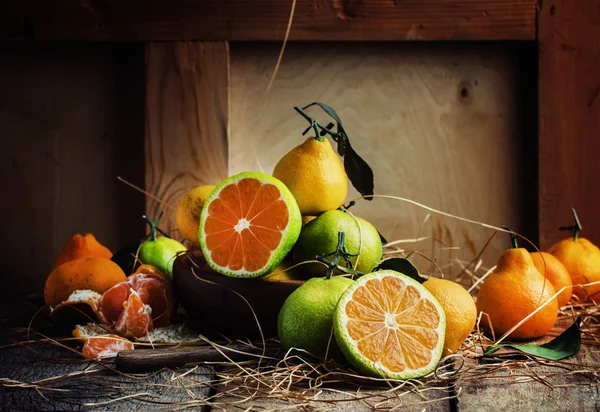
pixel 187 215
pixel 79 246
pixel 459 306
pixel 582 260
pixel 315 175
pixel 307 219
pixel 282 273
pixel 513 291
pixel 556 273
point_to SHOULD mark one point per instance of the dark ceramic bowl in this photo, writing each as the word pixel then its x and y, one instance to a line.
pixel 214 301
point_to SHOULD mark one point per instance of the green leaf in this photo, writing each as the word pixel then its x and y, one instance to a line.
pixel 359 172
pixel 403 266
pixel 565 345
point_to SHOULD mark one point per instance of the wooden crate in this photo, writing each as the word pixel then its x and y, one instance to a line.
pixel 170 95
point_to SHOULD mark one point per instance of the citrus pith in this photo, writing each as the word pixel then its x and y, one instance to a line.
pixel 389 325
pixel 248 225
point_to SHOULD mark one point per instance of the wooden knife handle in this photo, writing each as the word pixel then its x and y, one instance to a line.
pixel 145 360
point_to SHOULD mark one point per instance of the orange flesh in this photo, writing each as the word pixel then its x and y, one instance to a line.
pixel 98 347
pixel 392 324
pixel 244 225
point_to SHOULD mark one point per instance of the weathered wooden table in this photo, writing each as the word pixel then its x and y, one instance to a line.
pixel 47 376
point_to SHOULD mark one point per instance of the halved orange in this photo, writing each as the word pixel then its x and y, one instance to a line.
pixel 388 325
pixel 248 224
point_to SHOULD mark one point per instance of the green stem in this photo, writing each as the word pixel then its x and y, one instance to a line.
pixel 316 126
pixel 576 228
pixel 154 226
pixel 340 253
pixel 513 238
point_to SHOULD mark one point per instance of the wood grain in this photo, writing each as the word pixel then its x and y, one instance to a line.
pixel 69 387
pixel 181 20
pixel 568 387
pixel 186 121
pixel 71 121
pixel 569 117
pixel 438 125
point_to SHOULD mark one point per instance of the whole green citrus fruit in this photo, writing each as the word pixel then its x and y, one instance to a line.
pixel 306 317
pixel 161 253
pixel 320 236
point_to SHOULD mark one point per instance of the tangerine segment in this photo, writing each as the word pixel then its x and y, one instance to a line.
pixel 99 347
pixel 244 225
pixel 389 325
pixel 136 319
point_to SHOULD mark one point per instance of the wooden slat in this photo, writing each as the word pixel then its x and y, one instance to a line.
pixel 186 120
pixel 71 121
pixel 267 19
pixel 534 385
pixel 569 116
pixel 437 123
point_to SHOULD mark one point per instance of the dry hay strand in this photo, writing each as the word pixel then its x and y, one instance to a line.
pixel 278 380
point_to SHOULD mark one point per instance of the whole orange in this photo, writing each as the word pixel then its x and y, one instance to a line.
pixel 556 273
pixel 513 291
pixel 79 246
pixel 461 313
pixel 581 258
pixel 88 273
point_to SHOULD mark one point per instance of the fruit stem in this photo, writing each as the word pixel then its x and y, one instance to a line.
pixel 513 238
pixel 340 253
pixel 576 228
pixel 154 226
pixel 316 126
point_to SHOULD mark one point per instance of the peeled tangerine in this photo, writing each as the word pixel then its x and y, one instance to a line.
pixel 135 307
pixel 512 292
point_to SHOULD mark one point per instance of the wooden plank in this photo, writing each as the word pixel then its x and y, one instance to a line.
pixel 186 120
pixel 45 377
pixel 71 121
pixel 437 124
pixel 571 385
pixel 267 20
pixel 569 117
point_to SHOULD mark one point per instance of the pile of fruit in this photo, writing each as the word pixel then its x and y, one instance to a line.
pixel 379 316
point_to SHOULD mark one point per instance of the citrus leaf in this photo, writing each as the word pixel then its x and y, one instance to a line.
pixel 403 266
pixel 565 345
pixel 359 172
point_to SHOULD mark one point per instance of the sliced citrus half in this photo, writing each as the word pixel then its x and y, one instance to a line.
pixel 248 224
pixel 388 325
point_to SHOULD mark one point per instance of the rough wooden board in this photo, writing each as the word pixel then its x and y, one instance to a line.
pixel 97 390
pixel 71 121
pixel 181 20
pixel 336 399
pixel 569 117
pixel 438 125
pixel 25 365
pixel 186 121
pixel 508 395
